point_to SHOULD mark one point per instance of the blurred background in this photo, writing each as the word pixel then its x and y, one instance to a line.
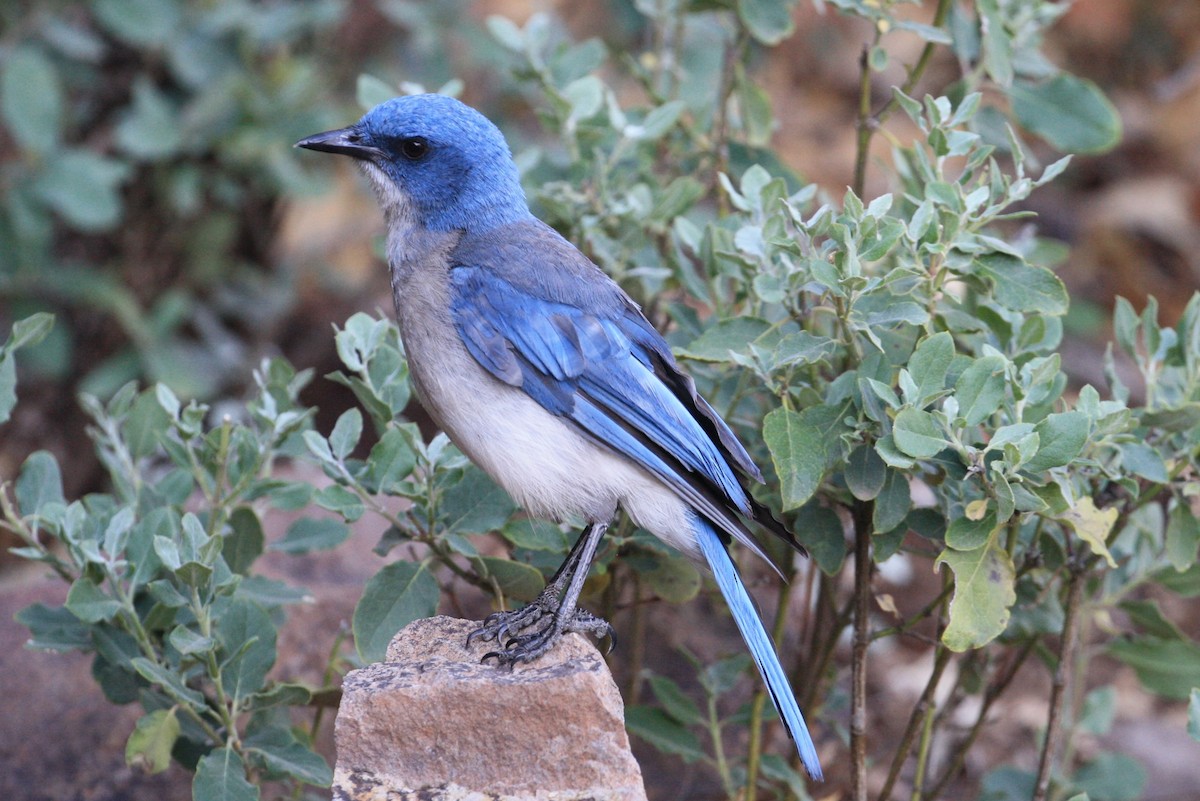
pixel 151 199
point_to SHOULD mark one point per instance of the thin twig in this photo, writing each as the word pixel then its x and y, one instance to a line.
pixel 1066 652
pixel 919 713
pixel 963 747
pixel 869 123
pixel 858 658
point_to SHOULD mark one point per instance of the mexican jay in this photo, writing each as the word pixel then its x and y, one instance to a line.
pixel 548 376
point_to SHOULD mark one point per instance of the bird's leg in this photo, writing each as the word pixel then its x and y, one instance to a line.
pixel 499 625
pixel 557 602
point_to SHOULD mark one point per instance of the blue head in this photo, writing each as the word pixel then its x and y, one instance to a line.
pixel 435 161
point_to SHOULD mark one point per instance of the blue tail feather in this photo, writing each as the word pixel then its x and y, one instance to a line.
pixel 759 643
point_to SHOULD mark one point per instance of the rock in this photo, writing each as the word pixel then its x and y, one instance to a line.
pixel 433 723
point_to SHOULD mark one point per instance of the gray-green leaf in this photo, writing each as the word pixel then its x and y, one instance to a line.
pixel 394 597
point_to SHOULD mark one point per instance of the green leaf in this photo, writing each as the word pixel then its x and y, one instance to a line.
pixel 1193 726
pixel 394 597
pixel 665 734
pixel 150 129
pixel 1148 617
pixel 54 628
pixel 674 701
pixel 768 21
pixel 171 683
pixel 370 91
pixel 1111 777
pixel 221 776
pixel 929 364
pixel 660 120
pixel 820 531
pixel 997 43
pixel 144 23
pixel 1099 710
pixel 189 642
pixel 984 593
pixel 1184 417
pixel 338 499
pixel 1183 535
pixel 735 335
pixel 1070 113
pixel 1167 667
pixel 965 534
pixel 1144 460
pixel 980 389
pixel 90 603
pixel 586 97
pixel 476 504
pixel 149 746
pixel 82 187
pixel 391 461
pixel 346 433
pixel 29 331
pixel 535 535
pixel 38 483
pixel 270 593
pixel 1024 287
pixel 1092 525
pixel 893 503
pixel 721 676
pixel 1061 437
pixel 248 637
pixel 244 542
pixel 312 534
pixel 506 32
pixel 8 384
pixel 278 694
pixel 516 579
pixel 917 434
pixel 279 751
pixel 865 472
pixel 31 98
pixel 798 451
pixel 673 578
pixel 147 421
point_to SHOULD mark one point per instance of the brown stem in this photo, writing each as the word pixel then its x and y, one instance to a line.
pixel 963 747
pixel 1066 652
pixel 914 721
pixel 858 654
pixel 637 650
pixel 869 123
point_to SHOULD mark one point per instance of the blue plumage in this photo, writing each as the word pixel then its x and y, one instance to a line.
pixel 548 375
pixel 759 642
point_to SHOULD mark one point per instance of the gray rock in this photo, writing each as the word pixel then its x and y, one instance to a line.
pixel 432 723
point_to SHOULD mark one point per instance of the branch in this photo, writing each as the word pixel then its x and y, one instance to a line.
pixel 862 640
pixel 919 713
pixel 1066 651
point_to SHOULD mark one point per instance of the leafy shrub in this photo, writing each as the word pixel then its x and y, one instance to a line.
pixel 146 142
pixel 864 347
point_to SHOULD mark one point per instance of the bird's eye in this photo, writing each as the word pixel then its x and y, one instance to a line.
pixel 414 148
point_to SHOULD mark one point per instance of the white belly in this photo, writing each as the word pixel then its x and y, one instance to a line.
pixel 542 461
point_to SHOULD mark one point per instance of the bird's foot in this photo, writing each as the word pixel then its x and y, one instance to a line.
pixel 507 627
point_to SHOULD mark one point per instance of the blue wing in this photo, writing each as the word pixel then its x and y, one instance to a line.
pixel 573 341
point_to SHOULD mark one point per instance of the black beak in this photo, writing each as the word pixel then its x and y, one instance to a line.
pixel 347 141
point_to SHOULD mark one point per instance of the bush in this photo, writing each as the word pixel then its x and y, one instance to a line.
pixel 863 347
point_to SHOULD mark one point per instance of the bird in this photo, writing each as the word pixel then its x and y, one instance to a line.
pixel 549 377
